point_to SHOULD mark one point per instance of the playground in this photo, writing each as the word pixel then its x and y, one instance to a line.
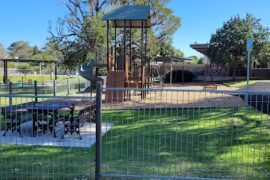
pixel 146 117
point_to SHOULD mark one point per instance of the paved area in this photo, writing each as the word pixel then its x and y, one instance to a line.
pixel 87 133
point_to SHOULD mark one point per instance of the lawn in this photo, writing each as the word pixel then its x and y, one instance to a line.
pixel 220 143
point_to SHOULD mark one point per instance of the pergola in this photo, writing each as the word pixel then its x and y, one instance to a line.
pixel 128 16
pixel 6 61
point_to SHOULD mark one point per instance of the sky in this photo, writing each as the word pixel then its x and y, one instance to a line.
pixel 29 20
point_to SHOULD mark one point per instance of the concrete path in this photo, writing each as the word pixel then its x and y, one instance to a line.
pixel 88 134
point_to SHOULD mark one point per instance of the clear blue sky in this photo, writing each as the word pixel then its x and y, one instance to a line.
pixel 28 20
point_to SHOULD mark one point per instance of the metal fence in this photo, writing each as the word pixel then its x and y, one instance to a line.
pixel 139 133
pixel 45 137
pixel 174 134
pixel 50 88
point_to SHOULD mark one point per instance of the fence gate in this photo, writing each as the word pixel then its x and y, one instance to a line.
pixel 178 134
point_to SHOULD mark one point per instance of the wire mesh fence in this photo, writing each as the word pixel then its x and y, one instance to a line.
pixel 57 87
pixel 170 134
pixel 47 137
pixel 145 133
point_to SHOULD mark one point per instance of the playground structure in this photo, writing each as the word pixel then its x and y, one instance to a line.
pixel 122 70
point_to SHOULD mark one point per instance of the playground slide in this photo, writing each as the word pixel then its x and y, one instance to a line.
pixel 88 71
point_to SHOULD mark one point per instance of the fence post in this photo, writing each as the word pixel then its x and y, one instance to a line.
pixel 79 85
pixel 98 130
pixel 36 91
pixel 54 87
pixel 10 93
pixel 68 87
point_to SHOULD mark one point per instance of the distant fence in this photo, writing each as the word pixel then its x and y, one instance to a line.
pixel 65 87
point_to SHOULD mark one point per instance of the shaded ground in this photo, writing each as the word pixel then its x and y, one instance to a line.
pixel 88 134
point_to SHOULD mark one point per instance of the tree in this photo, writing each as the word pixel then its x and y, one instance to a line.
pixel 21 50
pixel 3 52
pixel 83 31
pixel 167 49
pixel 228 45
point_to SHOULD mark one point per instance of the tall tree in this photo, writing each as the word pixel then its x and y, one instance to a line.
pixel 21 50
pixel 228 45
pixel 84 31
pixel 3 52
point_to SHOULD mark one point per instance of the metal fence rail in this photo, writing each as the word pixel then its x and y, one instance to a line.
pixel 45 137
pixel 174 134
pixel 142 133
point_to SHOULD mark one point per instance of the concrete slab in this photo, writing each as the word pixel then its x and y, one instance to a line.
pixel 88 134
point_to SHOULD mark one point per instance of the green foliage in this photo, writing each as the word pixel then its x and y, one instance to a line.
pixel 228 44
pixel 83 32
pixel 3 52
pixel 20 50
pixel 195 60
pixel 166 49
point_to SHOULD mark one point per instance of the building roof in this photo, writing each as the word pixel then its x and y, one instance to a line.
pixel 201 48
pixel 132 14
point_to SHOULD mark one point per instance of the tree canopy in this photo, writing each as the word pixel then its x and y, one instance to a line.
pixel 21 50
pixel 228 45
pixel 83 31
pixel 3 52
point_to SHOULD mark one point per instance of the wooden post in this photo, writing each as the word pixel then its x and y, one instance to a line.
pixel 125 32
pixel 108 46
pixel 130 45
pixel 142 61
pixel 54 87
pixel 55 71
pixel 5 77
pixel 115 34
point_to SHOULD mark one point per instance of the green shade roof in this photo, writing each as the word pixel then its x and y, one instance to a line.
pixel 132 14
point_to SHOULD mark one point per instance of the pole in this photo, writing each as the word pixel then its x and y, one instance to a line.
pixel 248 67
pixel 98 130
pixel 55 71
pixel 68 87
pixel 115 34
pixel 10 93
pixel 54 87
pixel 36 92
pixel 171 74
pixel 108 46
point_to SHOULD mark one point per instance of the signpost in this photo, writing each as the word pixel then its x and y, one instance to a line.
pixel 249 50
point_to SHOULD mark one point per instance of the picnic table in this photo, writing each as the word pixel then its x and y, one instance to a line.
pixel 15 115
pixel 46 113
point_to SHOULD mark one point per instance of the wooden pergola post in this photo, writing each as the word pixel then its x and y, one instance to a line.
pixel 115 54
pixel 5 77
pixel 108 46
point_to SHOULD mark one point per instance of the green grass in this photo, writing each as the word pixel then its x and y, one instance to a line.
pixel 243 83
pixel 220 143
